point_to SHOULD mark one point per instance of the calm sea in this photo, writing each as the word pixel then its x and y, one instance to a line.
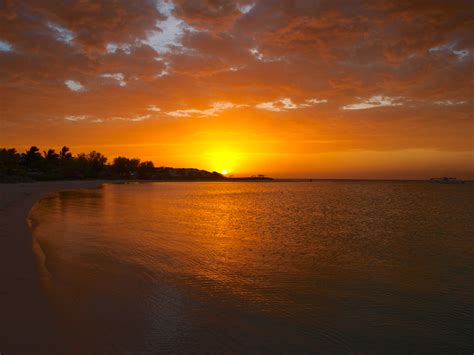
pixel 338 267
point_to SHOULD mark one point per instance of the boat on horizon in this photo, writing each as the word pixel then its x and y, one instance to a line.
pixel 446 180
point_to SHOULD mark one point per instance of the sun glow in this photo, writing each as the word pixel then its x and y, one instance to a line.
pixel 224 161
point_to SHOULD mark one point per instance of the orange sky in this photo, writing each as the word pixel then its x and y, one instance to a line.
pixel 329 89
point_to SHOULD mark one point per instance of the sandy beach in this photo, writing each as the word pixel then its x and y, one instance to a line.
pixel 25 325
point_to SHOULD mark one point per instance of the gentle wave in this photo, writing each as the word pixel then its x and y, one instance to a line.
pixel 262 267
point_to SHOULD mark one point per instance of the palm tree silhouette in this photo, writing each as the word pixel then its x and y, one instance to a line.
pixel 65 154
pixel 51 156
pixel 31 156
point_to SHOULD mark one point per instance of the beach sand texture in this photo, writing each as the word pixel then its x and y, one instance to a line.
pixel 25 323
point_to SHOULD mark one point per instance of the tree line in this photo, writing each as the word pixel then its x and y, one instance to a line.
pixel 52 165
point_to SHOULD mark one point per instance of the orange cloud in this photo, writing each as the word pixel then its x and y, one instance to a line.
pixel 364 76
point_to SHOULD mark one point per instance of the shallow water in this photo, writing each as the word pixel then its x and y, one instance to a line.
pixel 261 267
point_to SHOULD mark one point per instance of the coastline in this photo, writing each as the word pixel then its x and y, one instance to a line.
pixel 26 321
pixel 26 324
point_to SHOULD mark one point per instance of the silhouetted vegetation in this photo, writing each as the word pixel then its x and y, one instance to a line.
pixel 33 165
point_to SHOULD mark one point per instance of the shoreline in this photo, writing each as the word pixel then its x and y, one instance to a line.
pixel 26 324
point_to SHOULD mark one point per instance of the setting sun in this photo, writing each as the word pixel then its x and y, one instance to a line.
pixel 222 159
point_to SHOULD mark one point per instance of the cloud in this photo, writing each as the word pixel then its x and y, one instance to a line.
pixel 153 108
pixel 113 47
pixel 74 85
pixel 261 57
pixel 116 76
pixel 374 101
pixel 93 24
pixel 93 119
pixel 287 104
pixel 246 8
pixel 132 119
pixel 214 110
pixel 168 32
pixel 83 118
pixel 275 57
pixel 5 46
pixel 256 53
pixel 77 118
pixel 449 102
pixel 62 34
pixel 459 53
pixel 277 106
pixel 166 69
pixel 316 101
pixel 208 15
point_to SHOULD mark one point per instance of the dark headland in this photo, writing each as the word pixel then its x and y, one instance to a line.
pixel 49 165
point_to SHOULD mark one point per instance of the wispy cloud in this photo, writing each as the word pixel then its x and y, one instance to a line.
pixel 113 47
pixel 246 8
pixel 93 119
pixel 449 102
pixel 374 101
pixel 83 118
pixel 168 32
pixel 287 104
pixel 316 101
pixel 153 108
pixel 460 54
pixel 214 110
pixel 62 33
pixel 74 85
pixel 263 58
pixel 116 76
pixel 77 118
pixel 5 46
pixel 132 119
pixel 256 53
pixel 166 69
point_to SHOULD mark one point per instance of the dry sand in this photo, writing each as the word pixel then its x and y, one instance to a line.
pixel 26 324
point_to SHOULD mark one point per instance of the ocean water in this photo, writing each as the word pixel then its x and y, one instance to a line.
pixel 328 267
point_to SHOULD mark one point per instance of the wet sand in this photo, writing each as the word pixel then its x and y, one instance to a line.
pixel 25 324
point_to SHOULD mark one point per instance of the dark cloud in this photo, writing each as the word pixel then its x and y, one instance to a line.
pixel 96 23
pixel 214 15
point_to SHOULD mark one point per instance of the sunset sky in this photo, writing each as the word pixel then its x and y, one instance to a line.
pixel 322 89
